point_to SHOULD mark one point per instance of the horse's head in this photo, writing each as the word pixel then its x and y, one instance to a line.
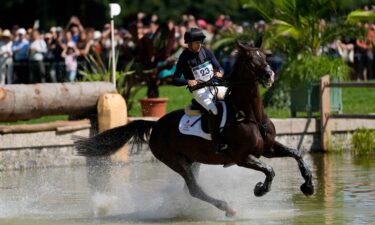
pixel 255 61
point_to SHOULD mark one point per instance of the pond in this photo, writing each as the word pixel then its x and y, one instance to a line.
pixel 150 193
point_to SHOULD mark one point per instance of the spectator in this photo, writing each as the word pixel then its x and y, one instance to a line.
pixel 164 42
pixel 180 31
pixel 191 22
pixel 49 58
pixel 70 55
pixel 37 50
pixel 57 46
pixel 220 22
pixel 20 49
pixel 364 55
pixel 345 47
pixel 106 44
pixel 95 42
pixel 76 28
pixel 260 28
pixel 6 62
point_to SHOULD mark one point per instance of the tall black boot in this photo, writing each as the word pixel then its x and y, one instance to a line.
pixel 214 127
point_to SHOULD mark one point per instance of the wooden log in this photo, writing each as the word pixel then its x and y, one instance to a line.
pixel 22 102
pixel 72 128
pixel 56 125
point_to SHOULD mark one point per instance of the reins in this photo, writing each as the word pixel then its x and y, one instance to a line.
pixel 221 84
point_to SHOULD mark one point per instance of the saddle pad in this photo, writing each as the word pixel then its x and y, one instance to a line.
pixel 191 125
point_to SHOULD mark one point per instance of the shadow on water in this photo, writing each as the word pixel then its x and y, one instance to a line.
pixel 150 193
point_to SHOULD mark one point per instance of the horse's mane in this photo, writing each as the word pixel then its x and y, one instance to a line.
pixel 240 56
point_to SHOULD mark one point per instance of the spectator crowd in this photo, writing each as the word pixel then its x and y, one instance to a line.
pixel 31 56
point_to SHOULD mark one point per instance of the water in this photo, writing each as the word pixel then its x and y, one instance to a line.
pixel 150 193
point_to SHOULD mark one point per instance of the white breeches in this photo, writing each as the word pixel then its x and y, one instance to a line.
pixel 205 96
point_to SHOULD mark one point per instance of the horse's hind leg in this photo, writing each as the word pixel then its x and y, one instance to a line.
pixel 185 169
pixel 254 163
pixel 280 150
pixel 195 167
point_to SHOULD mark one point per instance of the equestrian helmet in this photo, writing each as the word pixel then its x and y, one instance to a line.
pixel 194 34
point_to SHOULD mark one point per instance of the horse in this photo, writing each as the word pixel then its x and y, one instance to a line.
pixel 248 133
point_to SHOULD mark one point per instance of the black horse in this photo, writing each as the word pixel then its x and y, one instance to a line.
pixel 249 134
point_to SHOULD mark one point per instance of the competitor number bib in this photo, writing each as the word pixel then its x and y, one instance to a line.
pixel 203 72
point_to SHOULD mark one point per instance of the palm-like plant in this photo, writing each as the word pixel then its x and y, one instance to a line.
pixel 296 26
pixel 227 39
pixel 298 29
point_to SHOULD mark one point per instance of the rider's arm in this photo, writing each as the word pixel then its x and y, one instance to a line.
pixel 177 80
pixel 215 63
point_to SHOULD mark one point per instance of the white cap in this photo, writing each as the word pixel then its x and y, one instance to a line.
pixel 97 35
pixel 71 44
pixel 21 31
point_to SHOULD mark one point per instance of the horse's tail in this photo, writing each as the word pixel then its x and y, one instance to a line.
pixel 110 141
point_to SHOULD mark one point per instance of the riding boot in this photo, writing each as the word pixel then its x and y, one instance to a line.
pixel 213 125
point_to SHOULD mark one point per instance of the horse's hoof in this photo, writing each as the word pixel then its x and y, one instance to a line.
pixel 259 190
pixel 307 189
pixel 230 213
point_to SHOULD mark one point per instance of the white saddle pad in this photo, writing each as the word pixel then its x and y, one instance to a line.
pixel 191 125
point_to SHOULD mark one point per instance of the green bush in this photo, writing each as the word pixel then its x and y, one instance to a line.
pixel 363 141
pixel 310 68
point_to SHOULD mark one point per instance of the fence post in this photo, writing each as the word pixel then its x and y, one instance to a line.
pixel 325 129
pixel 112 112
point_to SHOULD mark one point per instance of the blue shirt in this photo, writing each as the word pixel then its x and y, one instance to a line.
pixel 23 47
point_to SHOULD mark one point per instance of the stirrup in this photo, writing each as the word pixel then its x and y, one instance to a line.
pixel 221 148
pixel 229 164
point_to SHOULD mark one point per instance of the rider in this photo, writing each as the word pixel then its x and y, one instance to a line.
pixel 198 64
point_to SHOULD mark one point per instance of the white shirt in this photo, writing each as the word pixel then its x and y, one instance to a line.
pixel 5 49
pixel 39 47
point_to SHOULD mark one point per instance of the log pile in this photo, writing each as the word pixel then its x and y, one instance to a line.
pixel 22 102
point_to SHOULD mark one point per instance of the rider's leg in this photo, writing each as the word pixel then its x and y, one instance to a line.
pixel 205 97
pixel 214 127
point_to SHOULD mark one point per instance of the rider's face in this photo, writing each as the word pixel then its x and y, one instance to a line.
pixel 196 46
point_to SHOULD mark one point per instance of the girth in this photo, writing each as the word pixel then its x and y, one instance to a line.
pixel 242 118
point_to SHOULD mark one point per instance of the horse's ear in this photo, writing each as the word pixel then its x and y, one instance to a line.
pixel 241 44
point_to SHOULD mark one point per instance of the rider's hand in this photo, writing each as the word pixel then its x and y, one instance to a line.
pixel 218 74
pixel 192 83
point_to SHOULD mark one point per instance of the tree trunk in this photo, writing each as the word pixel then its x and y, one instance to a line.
pixel 22 102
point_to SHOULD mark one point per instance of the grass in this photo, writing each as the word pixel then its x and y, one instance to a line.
pixel 363 142
pixel 355 100
pixel 358 100
pixel 178 97
pixel 43 119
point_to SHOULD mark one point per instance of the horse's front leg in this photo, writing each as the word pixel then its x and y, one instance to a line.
pixel 280 150
pixel 254 163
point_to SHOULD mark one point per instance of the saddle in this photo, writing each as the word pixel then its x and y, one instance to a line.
pixel 195 120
